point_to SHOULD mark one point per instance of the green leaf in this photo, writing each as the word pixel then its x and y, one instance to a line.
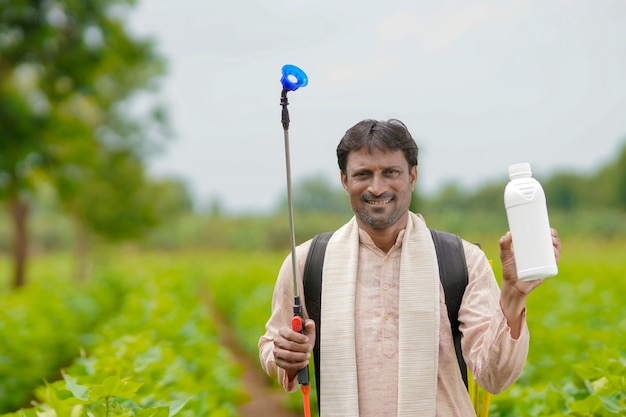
pixel 78 391
pixel 77 411
pixel 587 370
pixel 176 406
pixel 613 406
pixel 153 412
pixel 586 406
pixel 600 386
pixel 609 385
pixel 113 386
pixel 152 355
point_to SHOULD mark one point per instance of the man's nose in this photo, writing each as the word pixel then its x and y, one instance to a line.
pixel 377 185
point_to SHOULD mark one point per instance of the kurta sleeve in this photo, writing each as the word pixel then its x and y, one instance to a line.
pixel 281 315
pixel 495 359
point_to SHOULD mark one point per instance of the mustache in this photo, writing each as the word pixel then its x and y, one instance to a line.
pixel 383 196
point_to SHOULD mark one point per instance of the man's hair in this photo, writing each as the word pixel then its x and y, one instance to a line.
pixel 390 135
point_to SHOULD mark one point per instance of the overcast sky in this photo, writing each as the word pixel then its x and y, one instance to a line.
pixel 480 84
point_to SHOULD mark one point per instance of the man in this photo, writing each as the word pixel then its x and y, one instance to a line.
pixel 386 341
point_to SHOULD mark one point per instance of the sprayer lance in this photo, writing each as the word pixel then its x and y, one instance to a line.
pixel 293 78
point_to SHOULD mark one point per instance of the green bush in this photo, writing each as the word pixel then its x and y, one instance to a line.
pixel 597 389
pixel 44 324
pixel 158 356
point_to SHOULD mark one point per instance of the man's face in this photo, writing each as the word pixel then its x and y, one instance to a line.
pixel 380 185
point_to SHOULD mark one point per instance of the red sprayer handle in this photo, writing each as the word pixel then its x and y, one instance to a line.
pixel 297 324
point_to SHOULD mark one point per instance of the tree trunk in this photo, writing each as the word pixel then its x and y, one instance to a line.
pixel 19 211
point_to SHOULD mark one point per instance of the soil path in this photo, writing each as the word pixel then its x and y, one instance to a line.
pixel 265 400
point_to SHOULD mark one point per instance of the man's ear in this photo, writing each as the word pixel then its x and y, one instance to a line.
pixel 344 180
pixel 413 174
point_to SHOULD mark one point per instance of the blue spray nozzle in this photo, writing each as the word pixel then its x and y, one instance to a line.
pixel 293 78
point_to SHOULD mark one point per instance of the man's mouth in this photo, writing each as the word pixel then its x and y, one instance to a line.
pixel 378 201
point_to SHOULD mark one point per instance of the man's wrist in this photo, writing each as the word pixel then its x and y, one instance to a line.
pixel 513 305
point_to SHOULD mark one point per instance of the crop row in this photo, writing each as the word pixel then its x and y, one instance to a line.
pixel 158 354
pixel 43 325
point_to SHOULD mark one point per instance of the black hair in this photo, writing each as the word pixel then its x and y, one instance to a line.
pixel 390 135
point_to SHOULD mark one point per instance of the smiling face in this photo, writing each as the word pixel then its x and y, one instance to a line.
pixel 380 185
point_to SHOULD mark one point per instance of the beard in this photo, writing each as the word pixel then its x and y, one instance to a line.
pixel 380 222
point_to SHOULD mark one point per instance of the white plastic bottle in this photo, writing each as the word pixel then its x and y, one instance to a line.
pixel 527 214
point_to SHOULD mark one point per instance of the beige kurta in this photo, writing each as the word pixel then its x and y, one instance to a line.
pixel 494 358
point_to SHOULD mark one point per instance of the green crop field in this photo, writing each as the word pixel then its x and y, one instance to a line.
pixel 577 320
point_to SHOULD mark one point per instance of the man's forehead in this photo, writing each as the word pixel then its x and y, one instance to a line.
pixel 376 154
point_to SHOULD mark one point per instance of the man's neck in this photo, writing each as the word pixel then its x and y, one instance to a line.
pixel 384 239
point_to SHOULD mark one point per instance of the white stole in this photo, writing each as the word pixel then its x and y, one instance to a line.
pixel 418 323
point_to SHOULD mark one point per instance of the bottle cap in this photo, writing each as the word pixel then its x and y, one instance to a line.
pixel 520 171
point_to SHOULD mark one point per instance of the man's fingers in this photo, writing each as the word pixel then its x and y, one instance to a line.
pixel 290 356
pixel 289 360
pixel 505 241
pixel 289 343
pixel 556 242
pixel 309 328
pixel 506 250
pixel 295 347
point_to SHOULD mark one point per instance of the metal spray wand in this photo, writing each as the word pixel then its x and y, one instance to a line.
pixel 292 79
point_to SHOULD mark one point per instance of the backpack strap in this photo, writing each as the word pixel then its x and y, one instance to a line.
pixel 454 278
pixel 312 282
pixel 452 273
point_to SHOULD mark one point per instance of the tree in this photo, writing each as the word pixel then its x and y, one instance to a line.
pixel 566 191
pixel 317 195
pixel 451 197
pixel 620 186
pixel 67 71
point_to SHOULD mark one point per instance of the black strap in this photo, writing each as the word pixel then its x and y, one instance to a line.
pixel 454 279
pixel 452 273
pixel 312 281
